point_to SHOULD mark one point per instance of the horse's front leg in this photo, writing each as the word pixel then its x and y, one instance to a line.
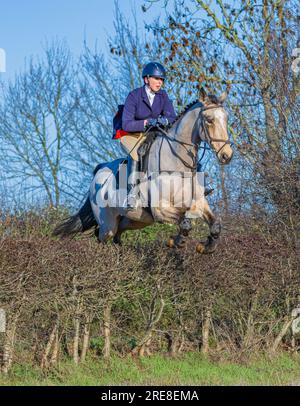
pixel 214 224
pixel 185 226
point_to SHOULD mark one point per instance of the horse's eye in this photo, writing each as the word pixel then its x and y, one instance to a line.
pixel 209 120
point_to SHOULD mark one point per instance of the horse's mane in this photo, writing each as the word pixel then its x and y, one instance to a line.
pixel 182 113
pixel 213 99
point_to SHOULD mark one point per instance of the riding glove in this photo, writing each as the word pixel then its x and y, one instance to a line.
pixel 162 121
pixel 151 122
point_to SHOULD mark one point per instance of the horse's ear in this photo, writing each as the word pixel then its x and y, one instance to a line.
pixel 222 97
pixel 202 94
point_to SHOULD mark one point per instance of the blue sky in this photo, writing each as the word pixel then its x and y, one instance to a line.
pixel 25 25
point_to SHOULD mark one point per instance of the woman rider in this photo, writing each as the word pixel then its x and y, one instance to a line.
pixel 146 106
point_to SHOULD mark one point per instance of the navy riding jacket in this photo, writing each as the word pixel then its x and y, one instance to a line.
pixel 137 108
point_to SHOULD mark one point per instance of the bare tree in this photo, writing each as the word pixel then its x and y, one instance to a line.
pixel 34 123
pixel 105 82
pixel 249 46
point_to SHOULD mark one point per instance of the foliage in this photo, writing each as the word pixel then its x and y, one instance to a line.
pixel 144 298
pixel 189 369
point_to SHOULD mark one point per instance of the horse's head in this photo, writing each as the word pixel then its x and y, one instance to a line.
pixel 213 128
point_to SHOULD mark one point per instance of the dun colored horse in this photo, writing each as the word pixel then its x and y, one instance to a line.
pixel 169 183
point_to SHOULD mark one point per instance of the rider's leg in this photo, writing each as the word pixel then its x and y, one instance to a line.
pixel 130 144
pixel 133 177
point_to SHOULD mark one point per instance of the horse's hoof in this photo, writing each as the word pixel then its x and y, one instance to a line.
pixel 200 248
pixel 175 242
pixel 180 242
pixel 210 249
pixel 171 242
pixel 215 230
pixel 207 247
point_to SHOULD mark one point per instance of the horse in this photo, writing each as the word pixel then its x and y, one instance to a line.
pixel 172 151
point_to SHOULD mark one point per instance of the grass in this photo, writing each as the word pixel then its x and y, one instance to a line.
pixel 189 369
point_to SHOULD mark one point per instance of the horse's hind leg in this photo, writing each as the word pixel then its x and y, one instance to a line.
pixel 127 224
pixel 117 238
pixel 109 228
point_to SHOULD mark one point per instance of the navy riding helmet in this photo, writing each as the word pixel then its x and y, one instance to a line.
pixel 154 69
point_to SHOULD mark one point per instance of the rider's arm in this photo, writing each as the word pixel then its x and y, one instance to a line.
pixel 129 122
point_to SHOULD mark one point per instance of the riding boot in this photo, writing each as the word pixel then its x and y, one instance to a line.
pixel 133 176
pixel 208 191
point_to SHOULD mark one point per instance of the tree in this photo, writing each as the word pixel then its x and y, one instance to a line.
pixel 34 126
pixel 105 82
pixel 249 46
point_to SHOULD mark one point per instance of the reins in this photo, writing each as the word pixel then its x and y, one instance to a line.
pixel 207 139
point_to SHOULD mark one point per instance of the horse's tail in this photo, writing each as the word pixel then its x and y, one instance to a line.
pixel 78 223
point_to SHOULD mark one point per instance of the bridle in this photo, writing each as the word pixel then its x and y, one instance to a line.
pixel 207 137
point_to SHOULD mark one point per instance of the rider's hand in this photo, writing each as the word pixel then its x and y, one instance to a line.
pixel 151 122
pixel 162 121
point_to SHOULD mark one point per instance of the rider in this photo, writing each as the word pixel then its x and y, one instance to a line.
pixel 145 107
